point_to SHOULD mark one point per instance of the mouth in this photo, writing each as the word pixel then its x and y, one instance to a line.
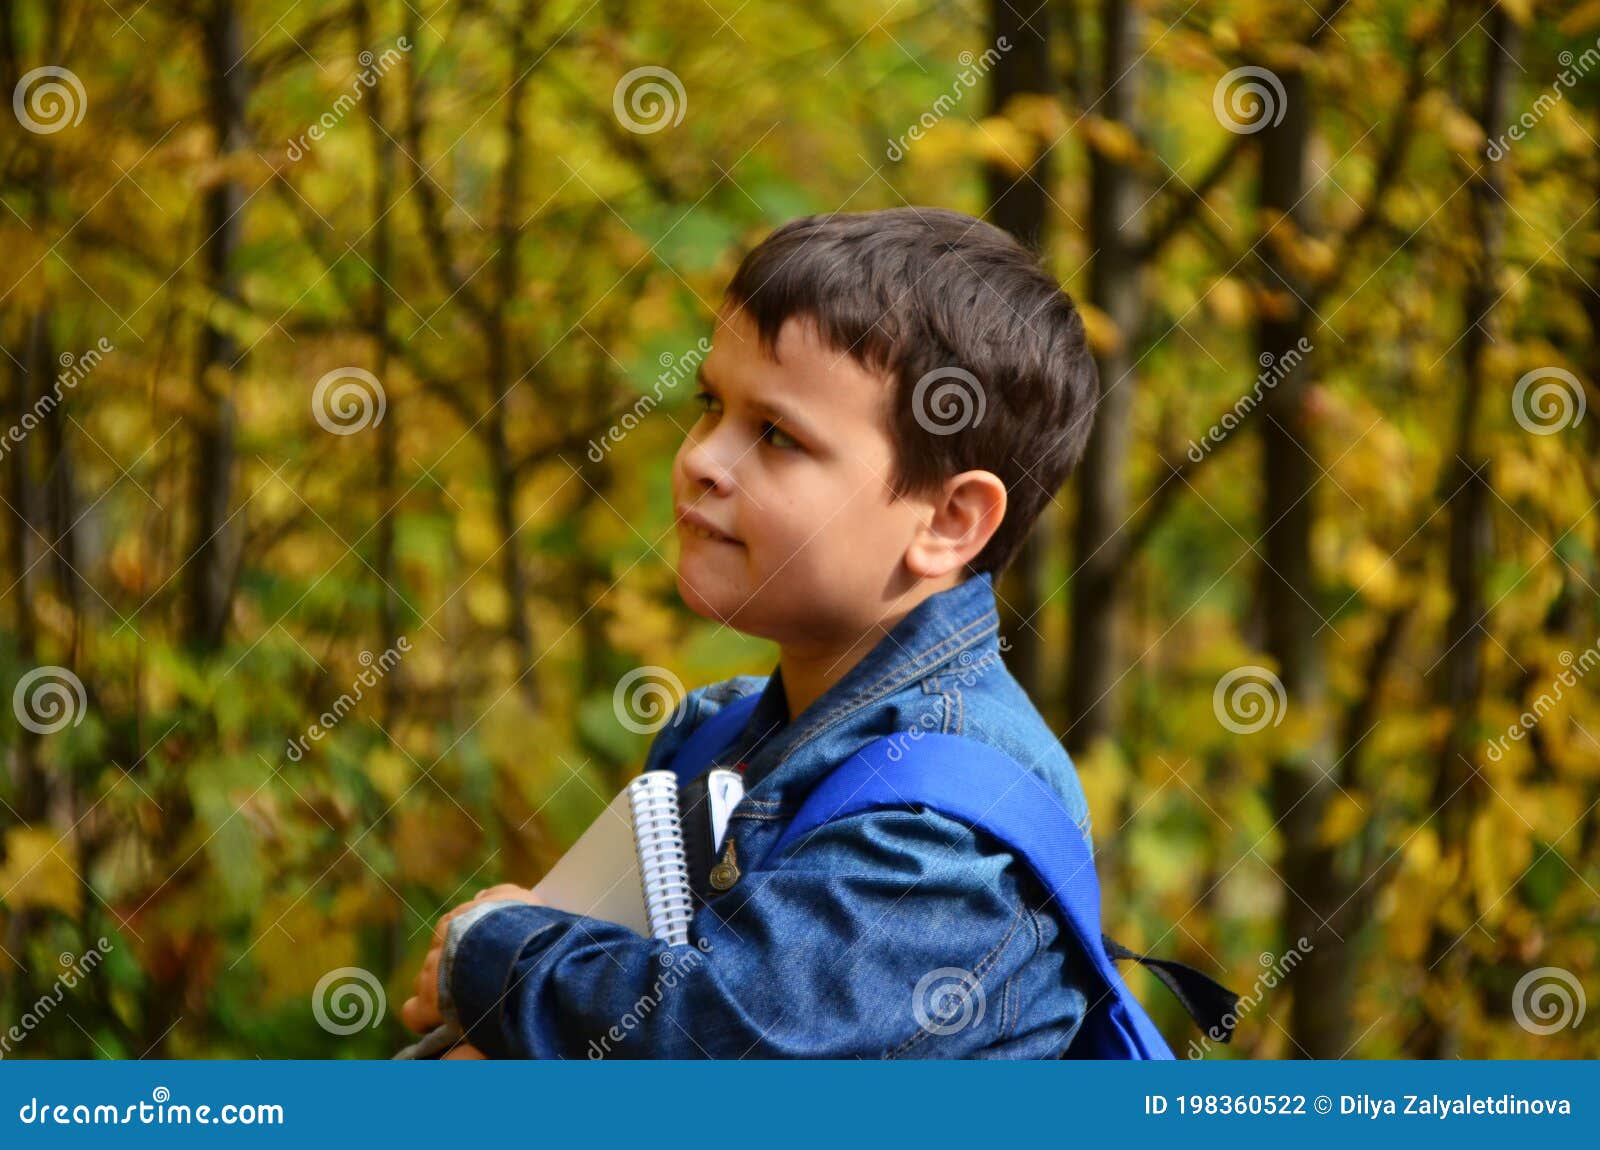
pixel 694 524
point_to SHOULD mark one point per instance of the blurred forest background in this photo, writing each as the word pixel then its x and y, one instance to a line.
pixel 343 351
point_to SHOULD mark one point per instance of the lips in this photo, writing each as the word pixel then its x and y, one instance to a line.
pixel 700 527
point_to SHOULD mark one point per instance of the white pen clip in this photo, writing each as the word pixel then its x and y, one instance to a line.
pixel 724 789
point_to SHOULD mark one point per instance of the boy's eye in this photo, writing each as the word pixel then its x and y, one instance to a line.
pixel 705 399
pixel 776 436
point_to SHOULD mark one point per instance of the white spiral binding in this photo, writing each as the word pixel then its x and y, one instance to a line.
pixel 663 866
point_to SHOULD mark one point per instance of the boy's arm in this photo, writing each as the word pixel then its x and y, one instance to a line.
pixel 887 933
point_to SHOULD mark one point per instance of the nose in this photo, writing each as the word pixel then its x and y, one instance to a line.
pixel 708 462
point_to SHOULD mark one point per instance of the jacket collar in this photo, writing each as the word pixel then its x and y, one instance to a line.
pixel 958 622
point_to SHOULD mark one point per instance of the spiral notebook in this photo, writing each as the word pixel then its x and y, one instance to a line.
pixel 630 867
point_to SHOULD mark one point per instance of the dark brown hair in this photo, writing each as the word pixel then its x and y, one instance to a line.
pixel 986 353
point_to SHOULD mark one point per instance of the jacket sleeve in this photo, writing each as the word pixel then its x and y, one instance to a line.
pixel 886 934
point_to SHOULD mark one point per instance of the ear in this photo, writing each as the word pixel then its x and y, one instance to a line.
pixel 962 516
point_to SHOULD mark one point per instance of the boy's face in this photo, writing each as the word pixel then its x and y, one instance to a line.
pixel 817 543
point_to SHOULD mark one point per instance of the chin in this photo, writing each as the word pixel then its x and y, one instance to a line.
pixel 703 600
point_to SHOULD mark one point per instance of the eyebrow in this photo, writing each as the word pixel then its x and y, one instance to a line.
pixel 777 412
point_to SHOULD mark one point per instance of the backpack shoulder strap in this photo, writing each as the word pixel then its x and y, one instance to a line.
pixel 712 736
pixel 986 789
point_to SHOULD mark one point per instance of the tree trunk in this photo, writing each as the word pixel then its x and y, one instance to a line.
pixel 1319 1012
pixel 206 590
pixel 1021 207
pixel 1457 785
pixel 508 233
pixel 1116 231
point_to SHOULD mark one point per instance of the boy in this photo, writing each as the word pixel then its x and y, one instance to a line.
pixel 890 401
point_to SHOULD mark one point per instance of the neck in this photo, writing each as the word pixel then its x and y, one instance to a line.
pixel 810 667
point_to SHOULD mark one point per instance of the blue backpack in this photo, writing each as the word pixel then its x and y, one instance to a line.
pixel 986 789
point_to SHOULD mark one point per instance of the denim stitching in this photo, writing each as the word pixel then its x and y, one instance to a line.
pixel 977 972
pixel 897 677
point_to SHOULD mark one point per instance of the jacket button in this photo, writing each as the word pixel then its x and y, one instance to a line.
pixel 726 872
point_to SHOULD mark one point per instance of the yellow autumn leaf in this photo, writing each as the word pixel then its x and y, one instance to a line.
pixel 1229 300
pixel 1461 132
pixel 1500 847
pixel 389 772
pixel 37 874
pixel 476 533
pixel 1372 573
pixel 296 945
pixel 1041 116
pixel 1103 773
pixel 1105 337
pixel 1584 18
pixel 1111 139
pixel 487 602
pixel 1343 817
pixel 1521 11
pixel 1005 144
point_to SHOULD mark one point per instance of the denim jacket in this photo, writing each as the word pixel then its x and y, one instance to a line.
pixel 887 934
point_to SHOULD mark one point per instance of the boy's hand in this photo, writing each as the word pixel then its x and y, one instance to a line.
pixel 421 1012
